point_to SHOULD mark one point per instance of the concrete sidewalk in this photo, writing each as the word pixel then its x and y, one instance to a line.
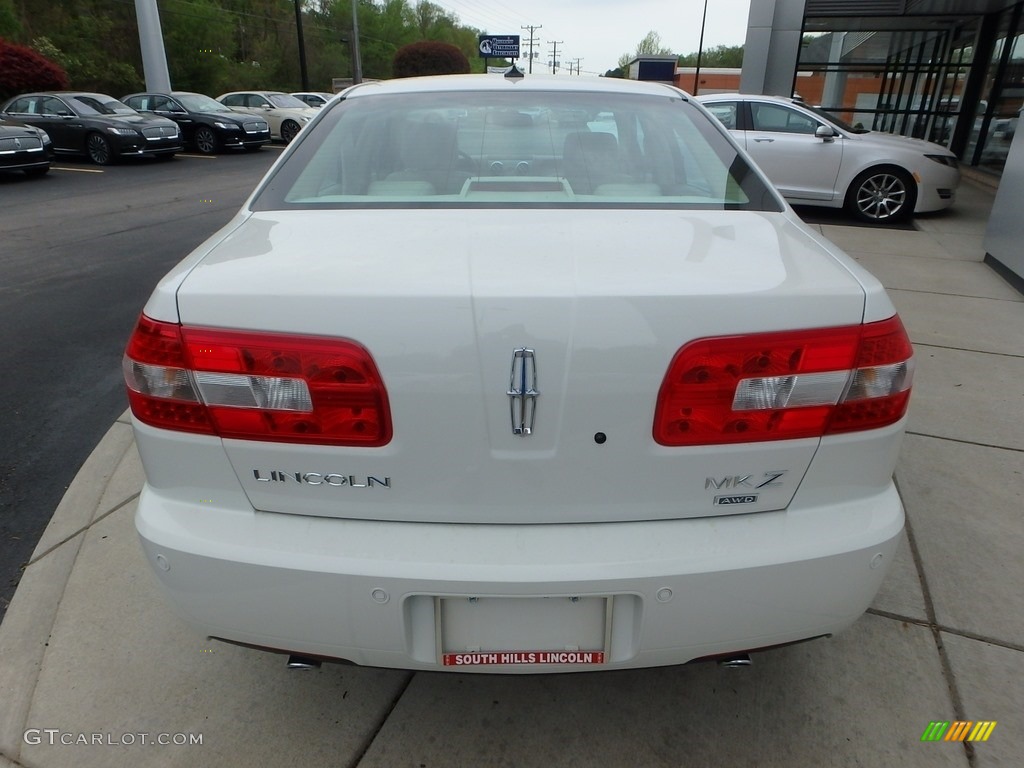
pixel 90 654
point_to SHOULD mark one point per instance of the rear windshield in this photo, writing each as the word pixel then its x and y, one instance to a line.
pixel 517 149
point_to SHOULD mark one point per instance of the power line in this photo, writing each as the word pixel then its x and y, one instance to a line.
pixel 554 54
pixel 532 40
pixel 485 13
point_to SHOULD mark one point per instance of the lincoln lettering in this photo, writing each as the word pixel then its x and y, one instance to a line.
pixel 319 478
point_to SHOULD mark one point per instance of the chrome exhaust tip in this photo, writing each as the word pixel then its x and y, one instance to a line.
pixel 302 662
pixel 739 661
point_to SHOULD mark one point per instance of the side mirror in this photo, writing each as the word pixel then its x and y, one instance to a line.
pixel 825 132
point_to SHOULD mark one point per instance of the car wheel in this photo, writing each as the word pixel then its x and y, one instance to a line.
pixel 98 149
pixel 289 128
pixel 882 195
pixel 206 141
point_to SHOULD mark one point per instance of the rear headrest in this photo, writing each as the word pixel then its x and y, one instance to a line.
pixel 427 146
pixel 587 143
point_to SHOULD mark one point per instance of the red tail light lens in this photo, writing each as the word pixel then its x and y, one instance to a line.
pixel 785 385
pixel 256 386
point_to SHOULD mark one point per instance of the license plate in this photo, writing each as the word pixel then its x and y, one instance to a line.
pixel 517 631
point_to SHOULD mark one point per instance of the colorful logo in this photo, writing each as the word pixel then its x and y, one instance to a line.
pixel 958 730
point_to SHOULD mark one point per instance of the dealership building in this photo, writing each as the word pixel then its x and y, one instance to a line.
pixel 951 71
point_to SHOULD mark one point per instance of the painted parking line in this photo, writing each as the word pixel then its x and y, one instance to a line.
pixel 76 170
pixel 214 157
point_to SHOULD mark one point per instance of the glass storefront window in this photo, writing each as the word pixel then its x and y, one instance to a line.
pixel 906 81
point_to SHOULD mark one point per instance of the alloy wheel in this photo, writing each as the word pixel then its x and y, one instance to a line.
pixel 289 129
pixel 881 197
pixel 206 141
pixel 98 149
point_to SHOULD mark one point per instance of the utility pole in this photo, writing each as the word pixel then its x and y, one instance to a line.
pixel 554 55
pixel 578 60
pixel 357 62
pixel 302 46
pixel 700 50
pixel 532 40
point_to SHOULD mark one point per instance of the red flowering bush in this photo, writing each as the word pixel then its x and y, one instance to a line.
pixel 429 58
pixel 23 70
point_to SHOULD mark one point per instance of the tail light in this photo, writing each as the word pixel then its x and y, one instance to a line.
pixel 785 385
pixel 256 386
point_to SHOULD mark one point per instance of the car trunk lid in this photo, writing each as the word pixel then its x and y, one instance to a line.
pixel 461 309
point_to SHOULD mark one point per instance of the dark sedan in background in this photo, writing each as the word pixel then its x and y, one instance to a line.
pixel 24 148
pixel 95 125
pixel 205 124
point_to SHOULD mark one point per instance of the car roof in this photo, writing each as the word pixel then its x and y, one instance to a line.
pixel 498 83
pixel 66 93
pixel 747 97
pixel 163 93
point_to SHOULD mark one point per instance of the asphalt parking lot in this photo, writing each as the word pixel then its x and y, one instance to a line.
pixel 82 248
pixel 88 646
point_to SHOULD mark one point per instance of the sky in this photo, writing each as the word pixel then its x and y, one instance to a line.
pixel 600 31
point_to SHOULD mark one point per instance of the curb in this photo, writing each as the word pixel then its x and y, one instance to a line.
pixel 98 488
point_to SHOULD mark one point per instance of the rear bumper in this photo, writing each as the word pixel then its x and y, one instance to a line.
pixel 367 591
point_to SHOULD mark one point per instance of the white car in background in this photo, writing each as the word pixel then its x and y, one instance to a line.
pixel 285 114
pixel 813 158
pixel 314 99
pixel 378 427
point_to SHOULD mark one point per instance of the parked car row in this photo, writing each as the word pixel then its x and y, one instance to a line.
pixel 35 127
pixel 95 125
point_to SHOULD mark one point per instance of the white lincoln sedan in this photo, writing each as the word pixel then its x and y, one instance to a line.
pixel 285 114
pixel 814 158
pixel 518 376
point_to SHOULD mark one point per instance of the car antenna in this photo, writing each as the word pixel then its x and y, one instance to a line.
pixel 514 73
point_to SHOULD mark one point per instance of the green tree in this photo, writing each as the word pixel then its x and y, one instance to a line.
pixel 719 56
pixel 651 45
pixel 218 45
pixel 200 43
pixel 10 24
pixel 95 41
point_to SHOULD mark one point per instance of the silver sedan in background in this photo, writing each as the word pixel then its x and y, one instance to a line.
pixel 814 158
